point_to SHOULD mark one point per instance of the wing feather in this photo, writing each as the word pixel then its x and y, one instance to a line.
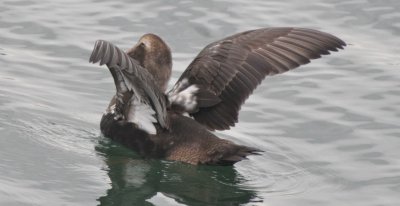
pixel 233 67
pixel 136 78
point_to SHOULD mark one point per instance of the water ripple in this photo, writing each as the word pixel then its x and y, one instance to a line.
pixel 330 130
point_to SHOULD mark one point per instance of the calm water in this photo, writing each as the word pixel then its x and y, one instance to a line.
pixel 330 129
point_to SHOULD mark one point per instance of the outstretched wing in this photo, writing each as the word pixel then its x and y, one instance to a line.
pixel 227 71
pixel 130 76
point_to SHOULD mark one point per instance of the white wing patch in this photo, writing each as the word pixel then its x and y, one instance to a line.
pixel 142 115
pixel 185 97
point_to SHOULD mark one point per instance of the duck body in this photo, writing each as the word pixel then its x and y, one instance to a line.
pixel 186 141
pixel 177 125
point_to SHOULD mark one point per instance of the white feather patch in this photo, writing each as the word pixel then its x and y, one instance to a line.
pixel 186 97
pixel 110 109
pixel 142 115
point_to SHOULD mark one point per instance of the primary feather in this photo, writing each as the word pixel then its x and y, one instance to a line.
pixel 134 77
pixel 230 69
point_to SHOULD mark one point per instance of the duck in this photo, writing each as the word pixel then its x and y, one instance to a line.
pixel 178 125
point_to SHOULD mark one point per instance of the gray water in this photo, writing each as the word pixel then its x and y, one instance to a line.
pixel 330 130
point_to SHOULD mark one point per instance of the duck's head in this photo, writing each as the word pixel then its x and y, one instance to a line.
pixel 154 55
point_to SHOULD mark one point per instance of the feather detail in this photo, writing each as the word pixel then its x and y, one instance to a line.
pixel 142 115
pixel 130 77
pixel 230 69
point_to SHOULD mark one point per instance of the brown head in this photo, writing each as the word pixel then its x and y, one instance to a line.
pixel 153 54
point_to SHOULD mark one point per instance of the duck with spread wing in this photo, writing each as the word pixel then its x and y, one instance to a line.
pixel 177 125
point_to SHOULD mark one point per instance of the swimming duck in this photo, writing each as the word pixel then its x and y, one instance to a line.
pixel 176 125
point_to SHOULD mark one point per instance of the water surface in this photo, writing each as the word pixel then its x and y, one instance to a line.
pixel 330 130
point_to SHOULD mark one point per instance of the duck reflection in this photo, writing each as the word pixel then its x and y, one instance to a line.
pixel 135 181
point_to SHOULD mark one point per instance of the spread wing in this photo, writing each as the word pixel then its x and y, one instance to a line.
pixel 129 76
pixel 226 72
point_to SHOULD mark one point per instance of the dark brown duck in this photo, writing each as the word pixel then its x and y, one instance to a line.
pixel 177 125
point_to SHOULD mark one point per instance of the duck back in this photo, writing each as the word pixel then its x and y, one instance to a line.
pixel 186 141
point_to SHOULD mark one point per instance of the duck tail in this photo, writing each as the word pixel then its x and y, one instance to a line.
pixel 239 153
